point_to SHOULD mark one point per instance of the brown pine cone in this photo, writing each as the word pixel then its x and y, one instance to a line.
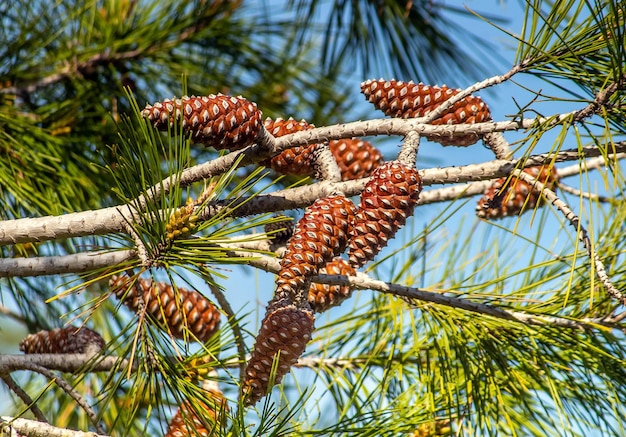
pixel 68 340
pixel 297 160
pixel 187 423
pixel 279 232
pixel 517 196
pixel 218 121
pixel 409 100
pixel 324 296
pixel 319 236
pixel 386 202
pixel 356 158
pixel 178 310
pixel 284 331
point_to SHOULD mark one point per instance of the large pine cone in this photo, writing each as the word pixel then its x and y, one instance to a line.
pixel 409 100
pixel 386 202
pixel 178 310
pixel 219 121
pixel 356 158
pixel 324 296
pixel 297 160
pixel 68 340
pixel 285 331
pixel 319 236
pixel 517 196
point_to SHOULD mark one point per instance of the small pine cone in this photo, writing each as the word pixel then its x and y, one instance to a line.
pixel 280 232
pixel 286 330
pixel 177 309
pixel 220 121
pixel 518 196
pixel 356 158
pixel 324 296
pixel 181 222
pixel 297 160
pixel 319 236
pixel 439 428
pixel 187 423
pixel 68 340
pixel 386 202
pixel 409 100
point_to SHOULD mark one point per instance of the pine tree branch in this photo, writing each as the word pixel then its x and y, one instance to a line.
pixel 67 388
pixel 401 127
pixel 62 264
pixel 77 69
pixel 364 282
pixel 28 401
pixel 67 363
pixel 581 231
pixel 579 193
pixel 33 428
pixel 107 57
pixel 111 219
pixel 601 99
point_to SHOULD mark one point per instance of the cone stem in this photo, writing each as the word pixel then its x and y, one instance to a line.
pixel 326 168
pixel 408 153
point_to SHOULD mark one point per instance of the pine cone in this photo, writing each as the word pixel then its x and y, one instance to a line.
pixel 68 340
pixel 181 222
pixel 280 232
pixel 409 100
pixel 177 309
pixel 319 236
pixel 356 158
pixel 297 160
pixel 187 423
pixel 386 202
pixel 324 296
pixel 220 121
pixel 517 196
pixel 286 330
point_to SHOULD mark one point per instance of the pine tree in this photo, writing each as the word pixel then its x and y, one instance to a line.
pixel 141 250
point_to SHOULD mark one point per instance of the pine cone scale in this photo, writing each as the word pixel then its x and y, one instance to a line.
pixel 319 236
pixel 386 202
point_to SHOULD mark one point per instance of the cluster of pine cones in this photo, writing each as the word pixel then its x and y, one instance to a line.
pixel 334 223
pixel 329 227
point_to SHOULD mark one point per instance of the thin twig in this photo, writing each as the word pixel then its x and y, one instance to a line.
pixel 495 80
pixel 67 388
pixel 142 252
pixel 362 281
pixel 581 231
pixel 601 99
pixel 9 313
pixel 579 193
pixel 19 391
